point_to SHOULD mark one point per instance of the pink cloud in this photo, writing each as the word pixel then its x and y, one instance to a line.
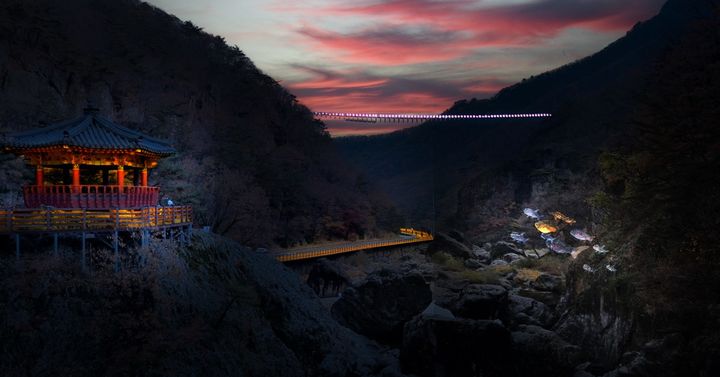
pixel 337 83
pixel 421 31
pixel 391 46
pixel 359 91
pixel 544 17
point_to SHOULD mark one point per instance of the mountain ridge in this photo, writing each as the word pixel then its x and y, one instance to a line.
pixel 596 99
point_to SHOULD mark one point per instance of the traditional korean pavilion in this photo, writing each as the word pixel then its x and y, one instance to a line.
pixel 89 162
pixel 91 175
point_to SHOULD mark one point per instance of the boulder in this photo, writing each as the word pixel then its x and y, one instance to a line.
pixel 447 292
pixel 501 248
pixel 512 258
pixel 458 348
pixel 481 254
pixel 544 353
pixel 527 311
pixel 547 283
pixel 457 235
pixel 448 244
pixel 473 263
pixel 536 253
pixel 437 312
pixel 498 262
pixel 380 306
pixel 327 278
pixel 542 252
pixel 476 301
pixel 661 357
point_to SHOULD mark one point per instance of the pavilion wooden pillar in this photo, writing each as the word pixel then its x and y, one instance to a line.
pixel 76 176
pixel 39 179
pixel 144 177
pixel 121 176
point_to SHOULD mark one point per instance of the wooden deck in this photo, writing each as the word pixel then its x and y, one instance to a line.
pixel 407 236
pixel 68 220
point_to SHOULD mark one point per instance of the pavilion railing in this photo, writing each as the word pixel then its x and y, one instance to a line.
pixel 22 220
pixel 90 196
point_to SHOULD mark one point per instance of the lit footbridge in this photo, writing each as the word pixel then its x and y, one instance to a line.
pixel 407 236
pixel 385 117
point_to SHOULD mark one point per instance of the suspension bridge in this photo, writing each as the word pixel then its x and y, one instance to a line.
pixel 388 117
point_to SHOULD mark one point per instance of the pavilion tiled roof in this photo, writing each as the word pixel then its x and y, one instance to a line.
pixel 88 131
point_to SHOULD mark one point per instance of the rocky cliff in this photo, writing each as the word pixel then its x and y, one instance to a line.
pixel 214 308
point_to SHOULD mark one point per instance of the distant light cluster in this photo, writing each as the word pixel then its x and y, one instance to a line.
pixel 385 116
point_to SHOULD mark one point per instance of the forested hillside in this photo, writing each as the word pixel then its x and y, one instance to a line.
pixel 253 162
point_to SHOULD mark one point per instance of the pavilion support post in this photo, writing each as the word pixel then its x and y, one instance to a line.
pixel 84 264
pixel 145 238
pixel 76 176
pixel 120 176
pixel 39 179
pixel 55 244
pixel 144 177
pixel 116 250
pixel 17 246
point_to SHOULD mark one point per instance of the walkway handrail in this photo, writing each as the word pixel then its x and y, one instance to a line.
pixel 418 236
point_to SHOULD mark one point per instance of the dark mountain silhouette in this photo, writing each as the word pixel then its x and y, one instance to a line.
pixel 254 163
pixel 632 153
pixel 468 174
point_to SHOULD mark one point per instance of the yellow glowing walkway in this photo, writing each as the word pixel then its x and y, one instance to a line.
pixel 407 236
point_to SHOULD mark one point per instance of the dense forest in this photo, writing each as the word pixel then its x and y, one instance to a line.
pixel 661 189
pixel 253 162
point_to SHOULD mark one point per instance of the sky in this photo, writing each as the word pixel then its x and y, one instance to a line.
pixel 408 56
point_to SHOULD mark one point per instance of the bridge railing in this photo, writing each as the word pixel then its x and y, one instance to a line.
pixel 416 233
pixel 419 237
pixel 92 219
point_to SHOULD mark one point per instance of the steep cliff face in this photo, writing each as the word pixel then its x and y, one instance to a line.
pixel 213 308
pixel 254 163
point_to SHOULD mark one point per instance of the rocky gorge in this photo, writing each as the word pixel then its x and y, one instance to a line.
pixel 459 309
